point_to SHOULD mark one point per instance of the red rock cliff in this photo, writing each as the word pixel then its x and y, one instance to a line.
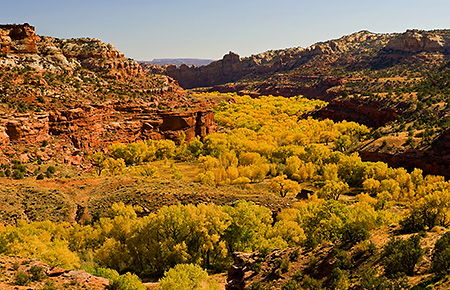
pixel 16 38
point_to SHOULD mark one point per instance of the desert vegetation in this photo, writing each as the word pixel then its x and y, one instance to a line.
pixel 262 147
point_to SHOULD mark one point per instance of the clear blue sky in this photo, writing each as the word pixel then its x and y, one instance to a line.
pixel 147 29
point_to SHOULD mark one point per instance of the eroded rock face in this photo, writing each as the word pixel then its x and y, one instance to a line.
pixel 233 68
pixel 23 48
pixel 368 112
pixel 434 160
pixel 85 111
pixel 241 269
pixel 418 41
pixel 89 128
pixel 18 39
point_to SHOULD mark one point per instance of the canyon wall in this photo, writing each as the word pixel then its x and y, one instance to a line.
pixel 91 128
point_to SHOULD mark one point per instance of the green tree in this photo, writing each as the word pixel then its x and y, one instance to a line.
pixel 249 226
pixel 401 256
pixel 97 160
pixel 187 277
pixel 440 260
pixel 283 186
pixel 114 166
pixel 333 189
pixel 127 281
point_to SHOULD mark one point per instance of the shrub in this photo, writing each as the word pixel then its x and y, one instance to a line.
pixel 49 285
pixel 309 283
pixel 256 285
pixel 343 259
pixel 22 278
pixel 401 256
pixel 37 273
pixel 186 276
pixel 40 176
pixel 50 171
pixel 282 265
pixel 370 281
pixel 353 233
pixel 127 281
pixel 339 279
pixel 17 174
pixel 290 285
pixel 440 260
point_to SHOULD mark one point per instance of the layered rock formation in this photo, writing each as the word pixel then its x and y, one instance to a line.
pixel 58 277
pixel 233 68
pixel 368 112
pixel 90 128
pixel 21 47
pixel 82 95
pixel 291 68
pixel 433 160
pixel 18 39
pixel 419 41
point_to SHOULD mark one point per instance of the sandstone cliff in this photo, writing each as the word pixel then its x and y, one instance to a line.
pixel 80 95
pixel 419 41
pixel 18 39
pixel 21 47
pixel 289 71
pixel 233 68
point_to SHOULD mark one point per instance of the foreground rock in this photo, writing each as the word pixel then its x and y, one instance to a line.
pixel 42 274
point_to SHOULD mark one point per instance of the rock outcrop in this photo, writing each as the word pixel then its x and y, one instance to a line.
pixel 81 95
pixel 368 112
pixel 91 128
pixel 287 71
pixel 419 41
pixel 433 160
pixel 18 39
pixel 59 277
pixel 234 68
pixel 241 270
pixel 21 48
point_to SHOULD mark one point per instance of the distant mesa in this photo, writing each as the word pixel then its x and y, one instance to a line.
pixel 179 61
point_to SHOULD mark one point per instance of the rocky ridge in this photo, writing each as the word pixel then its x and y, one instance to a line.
pixel 21 47
pixel 359 50
pixel 233 68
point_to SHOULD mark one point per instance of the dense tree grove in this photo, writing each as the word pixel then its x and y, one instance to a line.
pixel 262 142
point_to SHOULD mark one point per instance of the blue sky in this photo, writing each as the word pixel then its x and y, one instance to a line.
pixel 149 29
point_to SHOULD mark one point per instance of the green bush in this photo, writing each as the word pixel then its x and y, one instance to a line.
pixel 370 281
pixel 50 171
pixel 127 281
pixel 401 256
pixel 17 174
pixel 37 273
pixel 49 285
pixel 353 233
pixel 309 283
pixel 440 260
pixel 22 278
pixel 343 259
pixel 290 285
pixel 186 277
pixel 339 279
pixel 256 285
